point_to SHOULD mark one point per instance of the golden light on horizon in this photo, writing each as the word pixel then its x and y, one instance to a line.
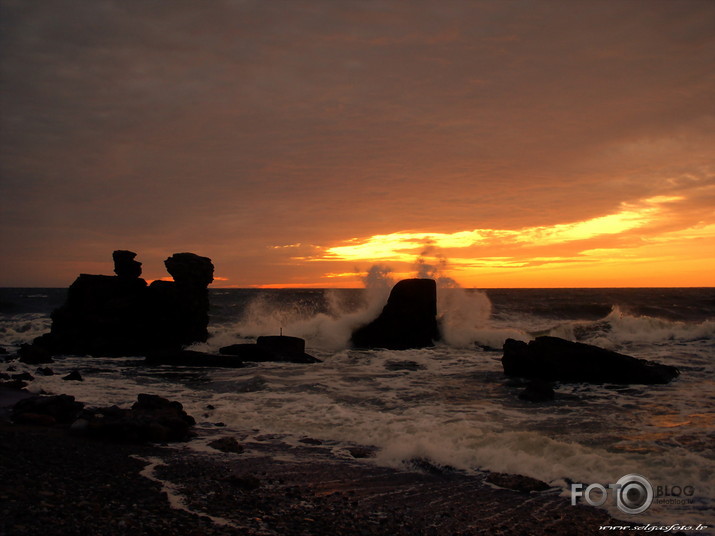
pixel 600 251
pixel 403 246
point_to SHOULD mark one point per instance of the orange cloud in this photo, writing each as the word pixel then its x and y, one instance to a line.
pixel 635 243
pixel 404 246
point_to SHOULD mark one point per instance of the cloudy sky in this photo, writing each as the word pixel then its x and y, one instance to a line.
pixel 299 142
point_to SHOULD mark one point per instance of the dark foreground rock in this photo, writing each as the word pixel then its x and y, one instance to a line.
pixel 226 444
pixel 122 315
pixel 74 376
pixel 151 418
pixel 555 359
pixel 34 354
pixel 12 385
pixel 271 348
pixel 47 410
pixel 275 349
pixel 409 320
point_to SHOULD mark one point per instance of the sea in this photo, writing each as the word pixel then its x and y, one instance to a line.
pixel 450 405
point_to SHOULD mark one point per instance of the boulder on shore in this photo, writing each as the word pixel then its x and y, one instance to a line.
pixel 409 320
pixel 151 418
pixel 555 359
pixel 46 410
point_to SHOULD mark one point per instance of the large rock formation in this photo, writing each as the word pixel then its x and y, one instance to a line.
pixel 409 320
pixel 555 359
pixel 186 319
pixel 121 315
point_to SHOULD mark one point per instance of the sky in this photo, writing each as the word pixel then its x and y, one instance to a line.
pixel 297 143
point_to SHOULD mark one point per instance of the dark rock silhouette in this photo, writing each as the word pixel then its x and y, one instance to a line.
pixel 125 265
pixel 34 355
pixel 151 418
pixel 46 410
pixel 188 319
pixel 271 348
pixel 23 376
pixel 409 320
pixel 121 315
pixel 74 376
pixel 537 391
pixel 555 359
pixel 192 358
pixel 12 385
pixel 226 444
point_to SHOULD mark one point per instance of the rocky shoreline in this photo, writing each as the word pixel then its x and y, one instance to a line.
pixel 53 482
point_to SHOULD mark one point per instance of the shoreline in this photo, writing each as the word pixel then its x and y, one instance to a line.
pixel 53 482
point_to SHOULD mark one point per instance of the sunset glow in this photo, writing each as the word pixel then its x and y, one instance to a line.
pixel 404 246
pixel 549 145
pixel 625 242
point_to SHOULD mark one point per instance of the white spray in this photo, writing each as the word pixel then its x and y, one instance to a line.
pixel 463 314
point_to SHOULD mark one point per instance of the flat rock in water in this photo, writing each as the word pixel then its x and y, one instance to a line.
pixel 276 348
pixel 74 376
pixel 361 452
pixel 555 359
pixel 191 358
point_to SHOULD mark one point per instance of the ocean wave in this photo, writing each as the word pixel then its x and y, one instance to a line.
pixel 619 327
pixel 23 328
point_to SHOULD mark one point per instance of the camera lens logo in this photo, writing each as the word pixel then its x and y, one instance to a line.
pixel 634 494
